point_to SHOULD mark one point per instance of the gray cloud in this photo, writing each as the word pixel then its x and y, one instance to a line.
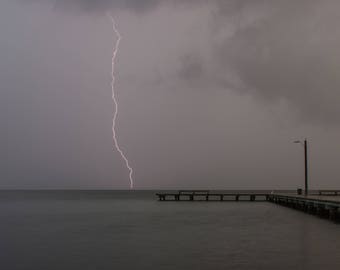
pixel 180 70
pixel 108 5
pixel 292 53
pixel 274 49
pixel 225 6
pixel 191 67
pixel 100 5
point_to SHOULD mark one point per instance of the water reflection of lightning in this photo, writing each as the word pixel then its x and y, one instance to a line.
pixel 115 141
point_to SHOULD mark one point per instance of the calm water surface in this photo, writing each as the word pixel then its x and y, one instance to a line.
pixel 132 230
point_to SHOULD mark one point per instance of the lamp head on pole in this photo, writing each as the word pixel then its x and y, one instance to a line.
pixel 299 142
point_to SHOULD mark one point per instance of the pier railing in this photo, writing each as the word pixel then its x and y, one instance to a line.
pixel 329 192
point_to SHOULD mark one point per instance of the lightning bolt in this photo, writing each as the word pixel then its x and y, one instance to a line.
pixel 115 141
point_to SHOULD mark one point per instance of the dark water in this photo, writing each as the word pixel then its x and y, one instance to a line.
pixel 131 230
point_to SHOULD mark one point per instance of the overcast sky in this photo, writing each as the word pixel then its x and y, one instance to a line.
pixel 211 93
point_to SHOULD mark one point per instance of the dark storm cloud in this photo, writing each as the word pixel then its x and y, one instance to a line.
pixel 100 5
pixel 291 53
pixel 181 67
pixel 225 6
pixel 106 5
pixel 277 50
pixel 191 67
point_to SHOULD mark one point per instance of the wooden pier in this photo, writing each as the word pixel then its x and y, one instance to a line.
pixel 206 195
pixel 323 206
pixel 326 205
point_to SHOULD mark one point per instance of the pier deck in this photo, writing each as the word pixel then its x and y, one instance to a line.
pixel 322 205
pixel 205 195
pixel 322 198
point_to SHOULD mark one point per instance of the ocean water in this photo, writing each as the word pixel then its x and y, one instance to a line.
pixel 132 230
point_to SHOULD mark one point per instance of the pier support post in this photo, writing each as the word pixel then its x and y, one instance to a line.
pixel 320 211
pixel 333 213
pixel 310 208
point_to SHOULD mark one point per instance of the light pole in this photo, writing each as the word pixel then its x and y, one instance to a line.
pixel 305 145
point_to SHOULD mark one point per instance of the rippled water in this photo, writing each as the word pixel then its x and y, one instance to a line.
pixel 132 230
